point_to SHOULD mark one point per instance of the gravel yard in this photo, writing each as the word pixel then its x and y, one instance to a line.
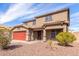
pixel 40 49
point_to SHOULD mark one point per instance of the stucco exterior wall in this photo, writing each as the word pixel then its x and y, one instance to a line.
pixel 65 28
pixel 19 29
pixel 40 21
pixel 63 16
pixel 54 27
pixel 29 24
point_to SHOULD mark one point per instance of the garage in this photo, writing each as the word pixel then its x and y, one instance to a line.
pixel 19 35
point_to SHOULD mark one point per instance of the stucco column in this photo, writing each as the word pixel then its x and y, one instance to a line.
pixel 32 36
pixel 27 35
pixel 65 28
pixel 44 35
pixel 12 35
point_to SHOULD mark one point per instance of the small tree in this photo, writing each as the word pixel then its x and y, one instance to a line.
pixel 64 38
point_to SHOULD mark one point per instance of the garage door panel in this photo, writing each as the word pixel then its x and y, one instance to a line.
pixel 19 35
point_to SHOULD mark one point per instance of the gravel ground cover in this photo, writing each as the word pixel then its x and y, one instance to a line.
pixel 40 49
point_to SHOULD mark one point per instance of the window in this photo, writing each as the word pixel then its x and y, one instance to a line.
pixel 48 18
pixel 34 22
pixel 53 34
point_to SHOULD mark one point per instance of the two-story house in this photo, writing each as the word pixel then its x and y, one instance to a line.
pixel 43 27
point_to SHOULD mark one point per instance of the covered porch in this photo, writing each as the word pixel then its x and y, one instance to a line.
pixel 45 34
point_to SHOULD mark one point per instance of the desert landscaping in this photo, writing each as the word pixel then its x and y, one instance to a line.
pixel 39 48
pixel 50 47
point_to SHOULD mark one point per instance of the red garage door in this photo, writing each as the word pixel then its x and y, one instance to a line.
pixel 19 35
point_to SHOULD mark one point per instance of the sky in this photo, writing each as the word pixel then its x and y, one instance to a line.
pixel 12 14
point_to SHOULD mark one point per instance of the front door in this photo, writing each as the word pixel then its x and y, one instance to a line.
pixel 39 35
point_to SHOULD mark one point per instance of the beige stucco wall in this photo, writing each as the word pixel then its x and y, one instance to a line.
pixel 40 21
pixel 61 16
pixel 54 27
pixel 19 29
pixel 65 28
pixel 30 24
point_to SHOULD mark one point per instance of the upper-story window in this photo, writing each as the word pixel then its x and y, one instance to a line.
pixel 34 22
pixel 48 18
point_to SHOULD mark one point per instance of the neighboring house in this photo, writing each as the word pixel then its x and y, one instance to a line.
pixel 43 27
pixel 5 29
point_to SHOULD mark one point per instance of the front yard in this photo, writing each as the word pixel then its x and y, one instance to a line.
pixel 40 49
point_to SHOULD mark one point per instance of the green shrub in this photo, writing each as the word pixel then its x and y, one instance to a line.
pixel 4 40
pixel 4 43
pixel 49 42
pixel 64 38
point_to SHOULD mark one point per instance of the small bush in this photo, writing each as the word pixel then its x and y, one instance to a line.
pixel 4 43
pixel 4 40
pixel 64 38
pixel 49 42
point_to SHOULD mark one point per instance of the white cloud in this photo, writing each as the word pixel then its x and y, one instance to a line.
pixel 16 11
pixel 19 10
pixel 33 11
pixel 74 19
pixel 74 28
pixel 75 15
pixel 42 10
